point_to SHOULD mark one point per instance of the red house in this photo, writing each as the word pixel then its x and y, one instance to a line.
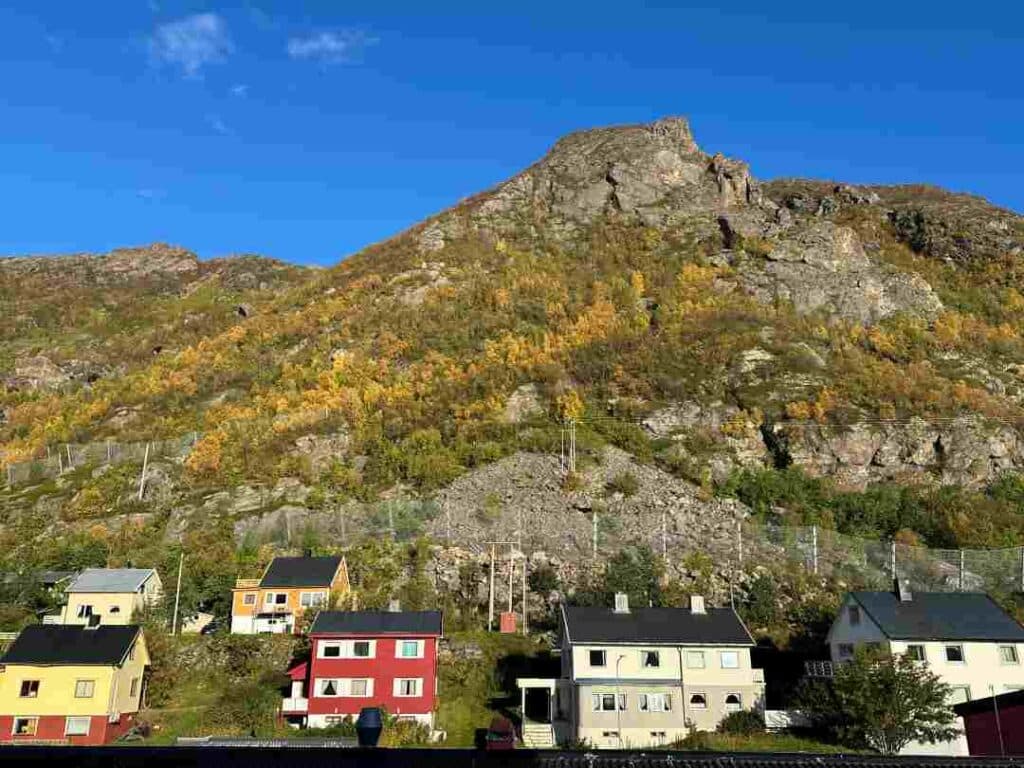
pixel 366 659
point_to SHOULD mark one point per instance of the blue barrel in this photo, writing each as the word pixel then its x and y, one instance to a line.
pixel 369 726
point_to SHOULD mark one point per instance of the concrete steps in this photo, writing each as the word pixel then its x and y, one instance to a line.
pixel 538 736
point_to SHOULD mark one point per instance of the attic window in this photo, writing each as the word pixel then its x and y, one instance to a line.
pixel 854 615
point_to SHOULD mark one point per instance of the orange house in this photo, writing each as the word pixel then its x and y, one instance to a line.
pixel 289 587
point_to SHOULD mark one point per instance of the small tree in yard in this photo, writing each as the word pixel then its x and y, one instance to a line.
pixel 882 702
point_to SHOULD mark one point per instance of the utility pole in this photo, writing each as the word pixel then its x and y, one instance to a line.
pixel 177 594
pixel 593 515
pixel 511 575
pixel 142 477
pixel 525 610
pixel 490 594
pixel 892 559
pixel 814 550
pixel 664 535
pixel 572 445
pixel 739 542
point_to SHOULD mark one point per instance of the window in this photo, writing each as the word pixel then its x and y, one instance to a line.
pixel 650 659
pixel 655 702
pixel 330 720
pixel 597 658
pixel 25 726
pixel 76 726
pixel 84 611
pixel 955 654
pixel 361 649
pixel 133 689
pixel 408 686
pixel 854 613
pixel 605 702
pixel 249 598
pixel 330 650
pixel 959 694
pixel 698 701
pixel 280 598
pixel 915 652
pixel 84 689
pixel 115 609
pixel 269 598
pixel 311 599
pixel 695 659
pixel 359 688
pixel 609 734
pixel 29 689
pixel 845 650
pixel 730 659
pixel 1008 654
pixel 410 649
pixel 658 737
pixel 733 702
pixel 329 687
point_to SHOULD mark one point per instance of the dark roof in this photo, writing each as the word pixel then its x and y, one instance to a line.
pixel 1002 701
pixel 55 644
pixel 300 571
pixel 940 616
pixel 377 622
pixel 655 625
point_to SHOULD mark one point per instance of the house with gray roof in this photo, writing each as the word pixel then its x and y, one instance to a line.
pixel 642 677
pixel 965 638
pixel 106 596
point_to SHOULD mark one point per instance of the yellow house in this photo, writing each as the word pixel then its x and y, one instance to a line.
pixel 72 684
pixel 290 587
pixel 110 595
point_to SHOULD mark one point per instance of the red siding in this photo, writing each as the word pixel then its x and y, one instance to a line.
pixel 51 729
pixel 384 668
pixel 983 733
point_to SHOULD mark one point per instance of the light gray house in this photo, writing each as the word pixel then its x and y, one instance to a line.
pixel 642 677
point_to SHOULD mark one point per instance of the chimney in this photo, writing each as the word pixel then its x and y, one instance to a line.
pixel 394 606
pixel 621 602
pixel 903 591
pixel 697 604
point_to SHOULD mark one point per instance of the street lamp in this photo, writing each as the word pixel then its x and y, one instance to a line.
pixel 618 710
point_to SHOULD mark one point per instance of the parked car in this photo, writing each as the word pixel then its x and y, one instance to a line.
pixel 500 735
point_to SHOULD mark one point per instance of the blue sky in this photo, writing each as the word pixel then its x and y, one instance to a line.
pixel 305 130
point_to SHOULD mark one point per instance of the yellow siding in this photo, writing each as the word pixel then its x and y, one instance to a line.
pixel 56 690
pixel 102 605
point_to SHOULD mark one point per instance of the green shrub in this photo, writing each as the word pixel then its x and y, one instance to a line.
pixel 624 483
pixel 744 723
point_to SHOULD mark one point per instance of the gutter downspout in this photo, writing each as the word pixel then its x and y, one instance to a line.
pixel 682 686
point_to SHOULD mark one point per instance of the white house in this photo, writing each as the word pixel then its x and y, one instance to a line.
pixel 965 638
pixel 644 677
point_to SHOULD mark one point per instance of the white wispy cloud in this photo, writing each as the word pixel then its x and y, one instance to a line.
pixel 218 125
pixel 330 46
pixel 191 43
pixel 239 89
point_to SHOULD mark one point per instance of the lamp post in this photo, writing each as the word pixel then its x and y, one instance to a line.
pixel 618 710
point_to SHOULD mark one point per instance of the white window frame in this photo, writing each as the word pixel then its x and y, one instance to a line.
pixel 323 645
pixel 70 719
pixel 963 654
pixel 343 686
pixel 33 719
pixel 597 702
pixel 321 682
pixel 400 648
pixel 369 687
pixel 703 696
pixel 965 689
pixel 371 652
pixel 133 687
pixel 924 651
pixel 644 655
pixel 738 706
pixel 1013 652
pixel 90 686
pixel 249 598
pixel 346 649
pixel 654 702
pixel 722 655
pixel 417 687
pixel 314 599
pixel 604 657
pixel 693 656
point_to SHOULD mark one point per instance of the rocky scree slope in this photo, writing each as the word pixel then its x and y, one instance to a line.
pixel 680 310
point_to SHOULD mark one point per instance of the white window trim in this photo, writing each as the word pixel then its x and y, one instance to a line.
pixel 643 658
pixel 963 653
pixel 604 658
pixel 699 654
pixel 691 705
pixel 67 725
pixel 1016 655
pixel 249 598
pixel 369 687
pixel 726 706
pixel 721 659
pixel 317 593
pixel 14 725
pixel 922 646
pixel 347 649
pixel 655 702
pixel 344 687
pixel 417 687
pixel 91 686
pixel 622 702
pixel 400 644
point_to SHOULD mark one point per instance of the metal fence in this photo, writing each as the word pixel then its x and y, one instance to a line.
pixel 60 459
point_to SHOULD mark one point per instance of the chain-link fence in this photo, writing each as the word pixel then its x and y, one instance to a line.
pixel 60 459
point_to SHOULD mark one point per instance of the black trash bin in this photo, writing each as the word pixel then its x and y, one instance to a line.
pixel 369 726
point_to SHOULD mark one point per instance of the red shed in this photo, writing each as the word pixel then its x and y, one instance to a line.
pixel 994 725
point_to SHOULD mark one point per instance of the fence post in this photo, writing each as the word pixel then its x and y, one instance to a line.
pixel 739 542
pixel 814 549
pixel 594 535
pixel 892 559
pixel 960 586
